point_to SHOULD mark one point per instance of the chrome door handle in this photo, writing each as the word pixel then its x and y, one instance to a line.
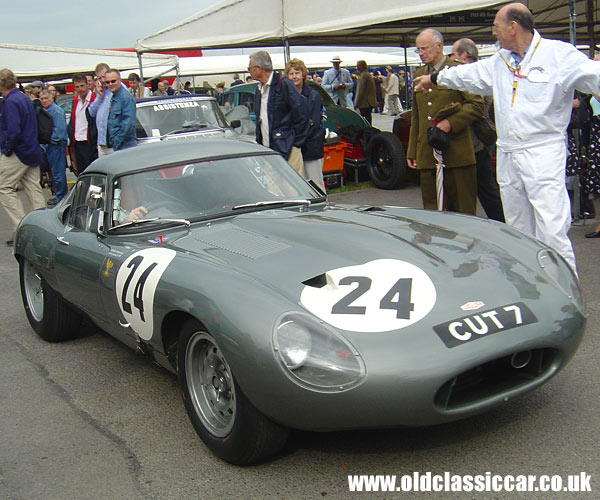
pixel 62 241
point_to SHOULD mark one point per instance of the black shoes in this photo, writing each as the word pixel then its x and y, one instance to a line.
pixel 595 234
pixel 52 201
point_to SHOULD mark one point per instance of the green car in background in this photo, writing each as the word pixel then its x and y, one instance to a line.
pixel 381 153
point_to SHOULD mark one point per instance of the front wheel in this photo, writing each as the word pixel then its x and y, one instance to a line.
pixel 386 161
pixel 226 421
pixel 48 314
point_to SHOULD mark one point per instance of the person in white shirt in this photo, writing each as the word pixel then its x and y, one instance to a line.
pixel 532 80
pixel 392 89
pixel 82 127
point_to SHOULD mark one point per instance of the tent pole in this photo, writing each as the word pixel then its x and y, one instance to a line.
pixel 590 27
pixel 406 70
pixel 286 50
pixel 139 55
pixel 572 25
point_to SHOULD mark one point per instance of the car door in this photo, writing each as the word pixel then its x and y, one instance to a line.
pixel 80 253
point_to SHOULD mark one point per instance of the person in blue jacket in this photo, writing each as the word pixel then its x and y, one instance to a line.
pixel 281 112
pixel 121 116
pixel 56 150
pixel 312 149
pixel 21 155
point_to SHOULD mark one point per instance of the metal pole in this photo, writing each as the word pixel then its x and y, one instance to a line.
pixel 139 55
pixel 590 26
pixel 572 23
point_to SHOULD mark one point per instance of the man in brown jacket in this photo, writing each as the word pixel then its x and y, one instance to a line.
pixel 460 177
pixel 365 99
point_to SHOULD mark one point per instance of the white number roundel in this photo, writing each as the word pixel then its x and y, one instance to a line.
pixel 137 280
pixel 378 296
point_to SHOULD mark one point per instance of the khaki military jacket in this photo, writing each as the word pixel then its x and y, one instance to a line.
pixel 426 105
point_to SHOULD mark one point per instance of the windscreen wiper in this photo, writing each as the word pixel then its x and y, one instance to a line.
pixel 272 202
pixel 160 220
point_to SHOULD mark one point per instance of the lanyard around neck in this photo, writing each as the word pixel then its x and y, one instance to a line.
pixel 517 71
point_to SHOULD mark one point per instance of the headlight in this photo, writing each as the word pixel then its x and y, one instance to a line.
pixel 562 275
pixel 314 355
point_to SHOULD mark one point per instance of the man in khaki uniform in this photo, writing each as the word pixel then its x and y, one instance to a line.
pixel 460 176
pixel 365 99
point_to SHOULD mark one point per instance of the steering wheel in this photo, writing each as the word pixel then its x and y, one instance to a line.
pixel 163 208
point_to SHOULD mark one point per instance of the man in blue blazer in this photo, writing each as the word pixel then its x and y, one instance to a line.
pixel 281 112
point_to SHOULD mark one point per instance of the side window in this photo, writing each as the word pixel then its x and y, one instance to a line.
pixel 247 99
pixel 88 201
pixel 229 98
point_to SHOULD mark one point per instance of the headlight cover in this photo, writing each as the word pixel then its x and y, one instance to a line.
pixel 314 356
pixel 562 275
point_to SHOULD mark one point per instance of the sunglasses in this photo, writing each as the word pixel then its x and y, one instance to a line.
pixel 110 82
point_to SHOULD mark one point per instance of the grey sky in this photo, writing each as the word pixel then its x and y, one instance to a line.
pixel 93 25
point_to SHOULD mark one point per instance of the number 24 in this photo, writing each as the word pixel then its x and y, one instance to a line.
pixel 402 305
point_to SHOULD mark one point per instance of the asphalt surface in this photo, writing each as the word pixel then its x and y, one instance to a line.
pixel 88 419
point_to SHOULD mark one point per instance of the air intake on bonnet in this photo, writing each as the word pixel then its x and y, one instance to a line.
pixel 496 377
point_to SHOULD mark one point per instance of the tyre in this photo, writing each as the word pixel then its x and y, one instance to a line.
pixel 228 424
pixel 386 161
pixel 48 314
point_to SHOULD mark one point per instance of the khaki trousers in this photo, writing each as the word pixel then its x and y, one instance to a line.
pixel 12 170
pixel 460 189
pixel 295 161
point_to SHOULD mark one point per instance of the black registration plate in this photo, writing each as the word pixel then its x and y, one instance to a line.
pixel 484 323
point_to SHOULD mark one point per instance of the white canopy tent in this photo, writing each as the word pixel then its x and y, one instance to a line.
pixel 220 65
pixel 261 23
pixel 29 62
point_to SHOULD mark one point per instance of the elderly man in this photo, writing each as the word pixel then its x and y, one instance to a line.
pixel 121 116
pixel 161 90
pixel 100 107
pixel 365 99
pixel 83 133
pixel 488 192
pixel 452 112
pixel 337 82
pixel 392 89
pixel 532 80
pixel 282 113
pixel 56 150
pixel 20 154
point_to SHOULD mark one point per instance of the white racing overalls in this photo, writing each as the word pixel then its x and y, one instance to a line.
pixel 532 105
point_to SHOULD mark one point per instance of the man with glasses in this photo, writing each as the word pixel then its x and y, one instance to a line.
pixel 121 115
pixel 532 80
pixel 452 112
pixel 281 112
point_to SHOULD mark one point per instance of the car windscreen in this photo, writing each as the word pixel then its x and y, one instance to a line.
pixel 177 116
pixel 209 188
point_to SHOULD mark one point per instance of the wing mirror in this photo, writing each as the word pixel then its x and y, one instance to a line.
pixel 94 197
pixel 236 124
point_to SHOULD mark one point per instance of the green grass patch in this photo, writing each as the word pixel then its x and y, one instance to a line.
pixel 351 186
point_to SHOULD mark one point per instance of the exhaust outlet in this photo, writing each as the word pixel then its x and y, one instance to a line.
pixel 520 359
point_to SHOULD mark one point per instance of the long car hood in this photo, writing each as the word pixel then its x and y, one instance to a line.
pixel 286 248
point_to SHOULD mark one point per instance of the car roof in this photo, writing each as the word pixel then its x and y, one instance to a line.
pixel 149 100
pixel 172 152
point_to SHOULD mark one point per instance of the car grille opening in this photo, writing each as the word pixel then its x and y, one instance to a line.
pixel 494 378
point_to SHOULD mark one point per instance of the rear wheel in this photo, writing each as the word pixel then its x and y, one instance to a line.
pixel 226 421
pixel 48 314
pixel 386 161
